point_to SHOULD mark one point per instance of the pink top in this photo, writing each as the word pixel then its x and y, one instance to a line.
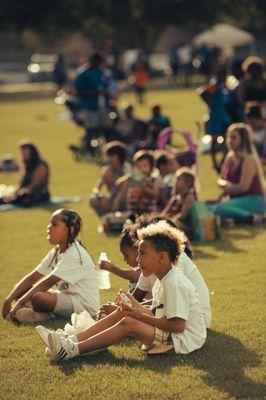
pixel 233 175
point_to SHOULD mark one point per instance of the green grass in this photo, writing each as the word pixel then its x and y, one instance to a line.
pixel 229 366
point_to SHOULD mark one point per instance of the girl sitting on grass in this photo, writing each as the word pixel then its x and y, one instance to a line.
pixel 129 249
pixel 67 265
pixel 175 320
pixel 179 206
pixel 130 252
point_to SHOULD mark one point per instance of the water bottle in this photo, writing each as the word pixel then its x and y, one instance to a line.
pixel 104 276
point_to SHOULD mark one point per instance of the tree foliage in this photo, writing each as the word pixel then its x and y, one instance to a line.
pixel 129 22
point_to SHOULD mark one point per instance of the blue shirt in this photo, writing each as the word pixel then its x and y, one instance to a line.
pixel 89 79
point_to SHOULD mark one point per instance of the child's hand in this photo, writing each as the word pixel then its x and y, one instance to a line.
pixel 128 311
pixel 108 266
pixel 13 311
pixel 134 302
pixel 108 308
pixel 6 308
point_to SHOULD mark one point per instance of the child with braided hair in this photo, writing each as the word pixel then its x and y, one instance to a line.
pixel 68 265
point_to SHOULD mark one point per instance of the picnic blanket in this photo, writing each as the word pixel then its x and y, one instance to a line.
pixel 53 201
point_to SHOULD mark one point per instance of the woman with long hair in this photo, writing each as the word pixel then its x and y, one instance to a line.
pixel 33 185
pixel 242 178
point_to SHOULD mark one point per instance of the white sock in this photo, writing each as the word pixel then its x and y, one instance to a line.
pixel 73 338
pixel 76 351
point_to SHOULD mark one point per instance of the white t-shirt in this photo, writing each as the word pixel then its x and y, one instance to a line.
pixel 78 276
pixel 175 297
pixel 190 270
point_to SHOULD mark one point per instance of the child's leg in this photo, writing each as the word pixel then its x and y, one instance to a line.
pixel 127 326
pixel 44 301
pixel 101 325
pixel 27 315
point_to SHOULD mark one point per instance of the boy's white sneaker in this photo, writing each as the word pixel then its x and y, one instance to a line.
pixel 44 332
pixel 62 348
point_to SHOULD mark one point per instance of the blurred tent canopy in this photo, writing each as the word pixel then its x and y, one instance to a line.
pixel 224 35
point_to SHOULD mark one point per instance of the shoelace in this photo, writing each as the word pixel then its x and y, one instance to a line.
pixel 61 332
pixel 67 347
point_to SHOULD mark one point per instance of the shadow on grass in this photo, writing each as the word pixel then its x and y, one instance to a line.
pixel 223 359
pixel 227 241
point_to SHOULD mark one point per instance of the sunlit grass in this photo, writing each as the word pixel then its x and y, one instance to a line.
pixel 229 366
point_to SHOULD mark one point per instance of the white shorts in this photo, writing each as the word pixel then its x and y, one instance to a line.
pixel 64 306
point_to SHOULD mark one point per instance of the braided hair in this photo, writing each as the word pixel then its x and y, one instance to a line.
pixel 74 224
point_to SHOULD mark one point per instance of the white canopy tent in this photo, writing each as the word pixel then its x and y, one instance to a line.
pixel 224 35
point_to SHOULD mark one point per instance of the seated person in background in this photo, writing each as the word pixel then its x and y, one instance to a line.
pixel 117 167
pixel 179 206
pixel 157 122
pixel 68 265
pixel 258 130
pixel 169 179
pixel 253 86
pixel 163 167
pixel 132 131
pixel 140 187
pixel 242 178
pixel 33 185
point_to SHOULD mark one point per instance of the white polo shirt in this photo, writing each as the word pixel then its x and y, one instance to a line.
pixel 176 297
pixel 78 276
pixel 190 270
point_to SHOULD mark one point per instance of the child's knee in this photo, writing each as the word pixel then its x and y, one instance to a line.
pixel 127 323
pixel 38 300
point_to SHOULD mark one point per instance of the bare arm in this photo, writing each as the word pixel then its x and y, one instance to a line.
pixel 175 325
pixel 224 165
pixel 19 289
pixel 152 192
pixel 123 187
pixel 139 294
pixel 42 286
pixel 186 207
pixel 169 205
pixel 130 275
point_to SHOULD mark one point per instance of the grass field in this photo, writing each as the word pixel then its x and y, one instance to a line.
pixel 231 365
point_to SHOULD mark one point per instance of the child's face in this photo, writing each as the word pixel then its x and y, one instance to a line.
pixel 180 184
pixel 148 257
pixel 113 161
pixel 165 169
pixel 172 165
pixel 57 230
pixel 130 255
pixel 144 166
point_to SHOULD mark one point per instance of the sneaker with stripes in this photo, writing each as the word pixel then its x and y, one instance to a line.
pixel 62 348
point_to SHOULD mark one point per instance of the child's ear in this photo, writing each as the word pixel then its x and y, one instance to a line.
pixel 71 230
pixel 164 257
